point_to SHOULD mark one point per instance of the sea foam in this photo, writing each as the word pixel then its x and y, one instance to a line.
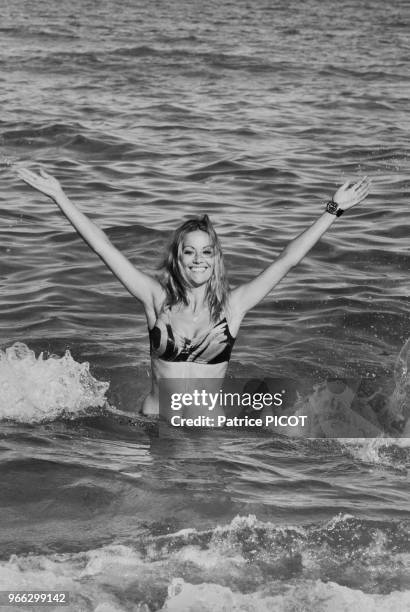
pixel 35 389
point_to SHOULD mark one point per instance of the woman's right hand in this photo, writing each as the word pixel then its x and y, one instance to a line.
pixel 43 182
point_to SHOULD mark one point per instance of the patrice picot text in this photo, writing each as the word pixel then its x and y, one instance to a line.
pixel 207 400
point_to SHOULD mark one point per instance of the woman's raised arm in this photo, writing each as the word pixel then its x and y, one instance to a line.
pixel 246 296
pixel 140 285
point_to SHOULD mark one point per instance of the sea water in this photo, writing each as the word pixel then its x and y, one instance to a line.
pixel 253 112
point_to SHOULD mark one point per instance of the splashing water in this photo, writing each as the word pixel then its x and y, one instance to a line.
pixel 39 389
pixel 342 410
pixel 399 402
pixel 246 565
pixel 385 450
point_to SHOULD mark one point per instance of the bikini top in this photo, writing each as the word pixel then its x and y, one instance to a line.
pixel 212 346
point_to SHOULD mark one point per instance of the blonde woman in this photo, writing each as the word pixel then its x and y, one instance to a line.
pixel 193 315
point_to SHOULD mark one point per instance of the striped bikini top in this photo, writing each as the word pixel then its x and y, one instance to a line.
pixel 212 346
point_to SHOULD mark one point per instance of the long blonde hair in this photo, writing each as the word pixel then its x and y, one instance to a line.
pixel 174 282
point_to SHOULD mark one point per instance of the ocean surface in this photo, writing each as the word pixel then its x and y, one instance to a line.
pixel 252 111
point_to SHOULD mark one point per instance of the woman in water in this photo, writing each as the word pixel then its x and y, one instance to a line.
pixel 193 316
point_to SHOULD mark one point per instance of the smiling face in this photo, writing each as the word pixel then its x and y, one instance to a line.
pixel 197 259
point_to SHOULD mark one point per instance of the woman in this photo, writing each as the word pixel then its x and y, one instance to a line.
pixel 193 317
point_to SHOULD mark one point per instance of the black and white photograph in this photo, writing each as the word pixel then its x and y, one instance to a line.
pixel 204 306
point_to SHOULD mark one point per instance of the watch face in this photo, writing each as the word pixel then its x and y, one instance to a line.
pixel 331 207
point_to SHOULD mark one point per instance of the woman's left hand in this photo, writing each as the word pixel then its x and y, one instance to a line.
pixel 349 195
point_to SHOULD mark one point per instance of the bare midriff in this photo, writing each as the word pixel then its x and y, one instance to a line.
pixel 182 377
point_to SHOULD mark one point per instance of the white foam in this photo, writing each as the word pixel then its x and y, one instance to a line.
pixel 38 389
pixel 309 596
pixel 117 578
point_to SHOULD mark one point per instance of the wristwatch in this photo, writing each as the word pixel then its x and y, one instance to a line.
pixel 333 208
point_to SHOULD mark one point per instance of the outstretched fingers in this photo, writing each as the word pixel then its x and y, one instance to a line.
pixel 43 182
pixel 364 182
pixel 350 194
pixel 27 173
pixel 28 176
pixel 362 188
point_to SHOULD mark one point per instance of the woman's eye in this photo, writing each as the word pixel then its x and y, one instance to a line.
pixel 208 252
